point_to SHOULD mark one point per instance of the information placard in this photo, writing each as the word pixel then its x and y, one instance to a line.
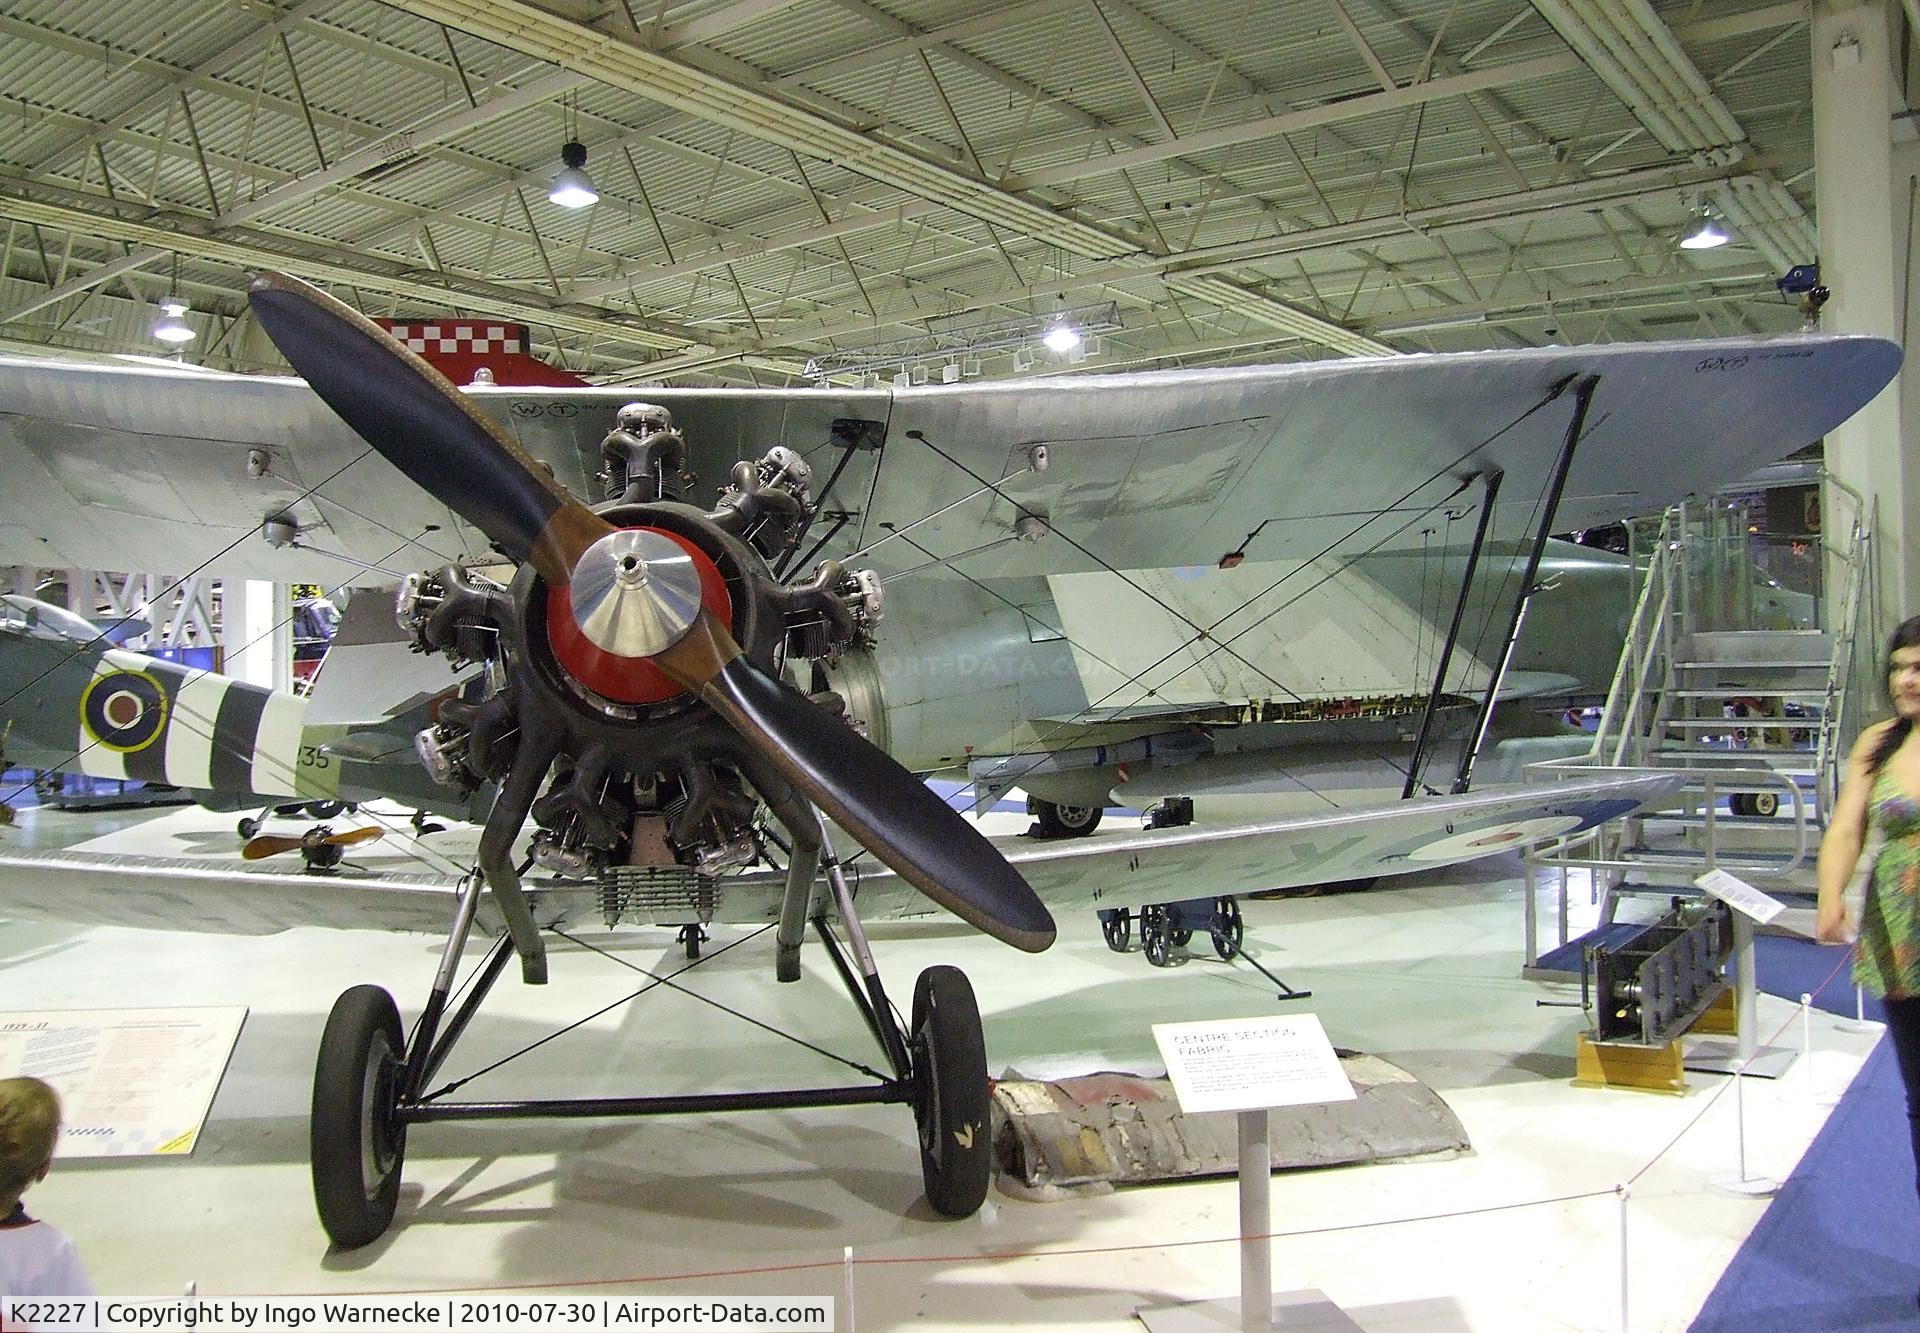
pixel 1741 896
pixel 1247 1064
pixel 132 1082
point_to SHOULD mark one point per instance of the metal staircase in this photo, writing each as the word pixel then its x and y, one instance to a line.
pixel 1726 681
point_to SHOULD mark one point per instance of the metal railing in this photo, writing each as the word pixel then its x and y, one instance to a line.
pixel 1842 712
pixel 1677 598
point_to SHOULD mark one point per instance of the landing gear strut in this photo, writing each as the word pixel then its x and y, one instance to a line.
pixel 371 1085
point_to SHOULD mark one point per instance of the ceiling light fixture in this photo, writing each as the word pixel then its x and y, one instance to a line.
pixel 1706 233
pixel 171 327
pixel 1061 337
pixel 572 187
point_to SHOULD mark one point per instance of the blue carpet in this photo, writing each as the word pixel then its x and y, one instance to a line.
pixel 1839 1246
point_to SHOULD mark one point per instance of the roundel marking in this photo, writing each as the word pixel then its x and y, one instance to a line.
pixel 123 710
pixel 1481 841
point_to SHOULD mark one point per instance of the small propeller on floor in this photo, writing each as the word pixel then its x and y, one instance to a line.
pixel 428 429
pixel 271 844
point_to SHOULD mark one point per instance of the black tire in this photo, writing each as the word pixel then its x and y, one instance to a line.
pixel 357 1146
pixel 325 809
pixel 1156 936
pixel 1063 821
pixel 1761 804
pixel 1229 931
pixel 247 827
pixel 951 1100
pixel 1117 926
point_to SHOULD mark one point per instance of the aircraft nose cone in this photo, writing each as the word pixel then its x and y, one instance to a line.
pixel 635 592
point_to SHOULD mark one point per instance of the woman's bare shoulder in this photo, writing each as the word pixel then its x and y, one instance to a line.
pixel 1871 736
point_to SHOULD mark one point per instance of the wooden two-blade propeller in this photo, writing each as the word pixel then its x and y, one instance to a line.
pixel 310 843
pixel 419 422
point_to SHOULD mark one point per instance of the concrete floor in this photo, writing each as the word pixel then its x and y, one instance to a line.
pixel 1522 1233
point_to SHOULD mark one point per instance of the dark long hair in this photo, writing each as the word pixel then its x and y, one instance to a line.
pixel 1906 636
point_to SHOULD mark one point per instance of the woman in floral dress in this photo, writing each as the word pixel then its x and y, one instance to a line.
pixel 1882 790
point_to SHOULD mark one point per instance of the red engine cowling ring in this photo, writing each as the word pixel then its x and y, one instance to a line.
pixel 628 680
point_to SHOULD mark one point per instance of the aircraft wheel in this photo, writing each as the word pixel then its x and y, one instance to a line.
pixel 1763 803
pixel 1156 936
pixel 1063 821
pixel 325 809
pixel 247 827
pixel 357 1146
pixel 1229 931
pixel 1117 926
pixel 950 1103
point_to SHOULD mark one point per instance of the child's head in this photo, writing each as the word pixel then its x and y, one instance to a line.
pixel 29 1124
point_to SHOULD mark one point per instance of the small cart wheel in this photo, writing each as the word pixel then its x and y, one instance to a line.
pixel 1117 926
pixel 1156 936
pixel 1228 929
pixel 950 1100
pixel 357 1144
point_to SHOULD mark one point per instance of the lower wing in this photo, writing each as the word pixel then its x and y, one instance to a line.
pixel 1156 865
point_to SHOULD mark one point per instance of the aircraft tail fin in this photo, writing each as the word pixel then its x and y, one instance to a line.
pixel 461 348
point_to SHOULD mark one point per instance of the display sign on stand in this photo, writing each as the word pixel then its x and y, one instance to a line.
pixel 1248 1065
pixel 1740 896
pixel 1749 906
pixel 132 1082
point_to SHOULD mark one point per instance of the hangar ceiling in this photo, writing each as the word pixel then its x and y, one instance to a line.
pixel 852 183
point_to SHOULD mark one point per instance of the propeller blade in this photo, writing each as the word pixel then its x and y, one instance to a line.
pixel 353 835
pixel 861 788
pixel 268 844
pixel 419 422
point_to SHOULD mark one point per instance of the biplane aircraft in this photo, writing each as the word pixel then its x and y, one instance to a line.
pixel 691 704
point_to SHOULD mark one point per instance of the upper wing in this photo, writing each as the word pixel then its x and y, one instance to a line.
pixel 112 467
pixel 1283 462
pixel 1157 865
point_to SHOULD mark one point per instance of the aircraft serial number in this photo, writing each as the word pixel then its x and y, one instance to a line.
pixel 34 1313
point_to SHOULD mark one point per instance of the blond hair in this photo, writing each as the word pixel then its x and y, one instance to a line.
pixel 29 1124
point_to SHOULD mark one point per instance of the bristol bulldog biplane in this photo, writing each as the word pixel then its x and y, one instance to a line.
pixel 1084 583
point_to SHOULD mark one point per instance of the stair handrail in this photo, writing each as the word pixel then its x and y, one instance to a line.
pixel 1709 782
pixel 1637 656
pixel 1839 696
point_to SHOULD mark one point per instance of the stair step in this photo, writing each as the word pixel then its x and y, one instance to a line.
pixel 1781 823
pixel 1770 692
pixel 1743 723
pixel 1756 664
pixel 1727 752
pixel 1755 861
